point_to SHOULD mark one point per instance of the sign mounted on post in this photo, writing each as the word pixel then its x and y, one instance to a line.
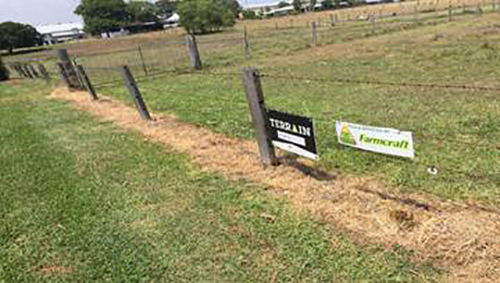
pixel 292 133
pixel 382 140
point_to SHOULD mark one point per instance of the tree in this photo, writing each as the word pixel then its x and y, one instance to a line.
pixel 4 73
pixel 312 4
pixel 166 8
pixel 103 15
pixel 250 15
pixel 17 35
pixel 327 4
pixel 283 4
pixel 142 12
pixel 297 5
pixel 233 5
pixel 204 16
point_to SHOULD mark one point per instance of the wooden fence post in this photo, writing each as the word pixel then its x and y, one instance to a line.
pixel 63 74
pixel 43 72
pixel 17 66
pixel 86 82
pixel 372 23
pixel 135 93
pixel 256 103
pixel 27 71
pixel 314 35
pixel 246 43
pixel 33 71
pixel 144 67
pixel 81 83
pixel 450 12
pixel 68 67
pixel 194 54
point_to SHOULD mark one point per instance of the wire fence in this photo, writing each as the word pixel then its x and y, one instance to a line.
pixel 441 149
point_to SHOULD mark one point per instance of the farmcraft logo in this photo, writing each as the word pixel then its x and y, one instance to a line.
pixel 298 129
pixel 346 136
pixel 383 142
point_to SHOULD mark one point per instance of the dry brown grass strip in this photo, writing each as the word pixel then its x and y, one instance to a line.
pixel 462 238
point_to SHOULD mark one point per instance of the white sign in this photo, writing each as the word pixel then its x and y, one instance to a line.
pixel 381 140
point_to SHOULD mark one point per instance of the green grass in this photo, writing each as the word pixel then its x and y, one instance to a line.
pixel 447 123
pixel 81 200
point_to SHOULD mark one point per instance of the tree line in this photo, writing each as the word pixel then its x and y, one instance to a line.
pixel 196 16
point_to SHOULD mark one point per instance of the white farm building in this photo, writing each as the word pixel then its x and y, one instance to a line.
pixel 59 33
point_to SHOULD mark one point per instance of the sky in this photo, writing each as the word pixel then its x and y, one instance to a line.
pixel 43 12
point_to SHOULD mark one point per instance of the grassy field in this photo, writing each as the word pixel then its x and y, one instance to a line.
pixel 456 130
pixel 82 200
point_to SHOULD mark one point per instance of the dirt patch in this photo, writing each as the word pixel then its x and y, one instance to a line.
pixel 56 270
pixel 464 239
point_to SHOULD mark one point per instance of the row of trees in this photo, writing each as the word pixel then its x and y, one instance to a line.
pixel 105 15
pixel 197 16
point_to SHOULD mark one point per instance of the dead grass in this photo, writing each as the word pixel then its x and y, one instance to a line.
pixel 462 238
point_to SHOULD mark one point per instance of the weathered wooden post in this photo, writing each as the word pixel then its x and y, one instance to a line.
pixel 33 71
pixel 246 43
pixel 194 54
pixel 27 71
pixel 63 74
pixel 332 20
pixel 372 23
pixel 43 72
pixel 314 35
pixel 17 66
pixel 68 67
pixel 141 56
pixel 450 12
pixel 256 103
pixel 135 93
pixel 86 82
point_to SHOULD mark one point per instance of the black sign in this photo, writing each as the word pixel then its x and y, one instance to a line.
pixel 292 133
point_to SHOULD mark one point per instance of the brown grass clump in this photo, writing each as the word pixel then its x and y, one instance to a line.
pixel 462 238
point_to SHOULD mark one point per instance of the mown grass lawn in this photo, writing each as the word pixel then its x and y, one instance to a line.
pixel 81 200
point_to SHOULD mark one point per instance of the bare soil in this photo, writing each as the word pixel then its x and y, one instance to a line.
pixel 462 238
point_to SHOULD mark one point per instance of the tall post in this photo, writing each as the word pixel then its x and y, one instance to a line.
pixel 27 71
pixel 19 69
pixel 314 35
pixel 43 72
pixel 256 103
pixel 63 74
pixel 144 67
pixel 135 93
pixel 450 12
pixel 33 71
pixel 71 76
pixel 194 54
pixel 372 23
pixel 86 82
pixel 81 84
pixel 246 43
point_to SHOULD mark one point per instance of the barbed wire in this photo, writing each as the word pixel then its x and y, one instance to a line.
pixel 382 83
